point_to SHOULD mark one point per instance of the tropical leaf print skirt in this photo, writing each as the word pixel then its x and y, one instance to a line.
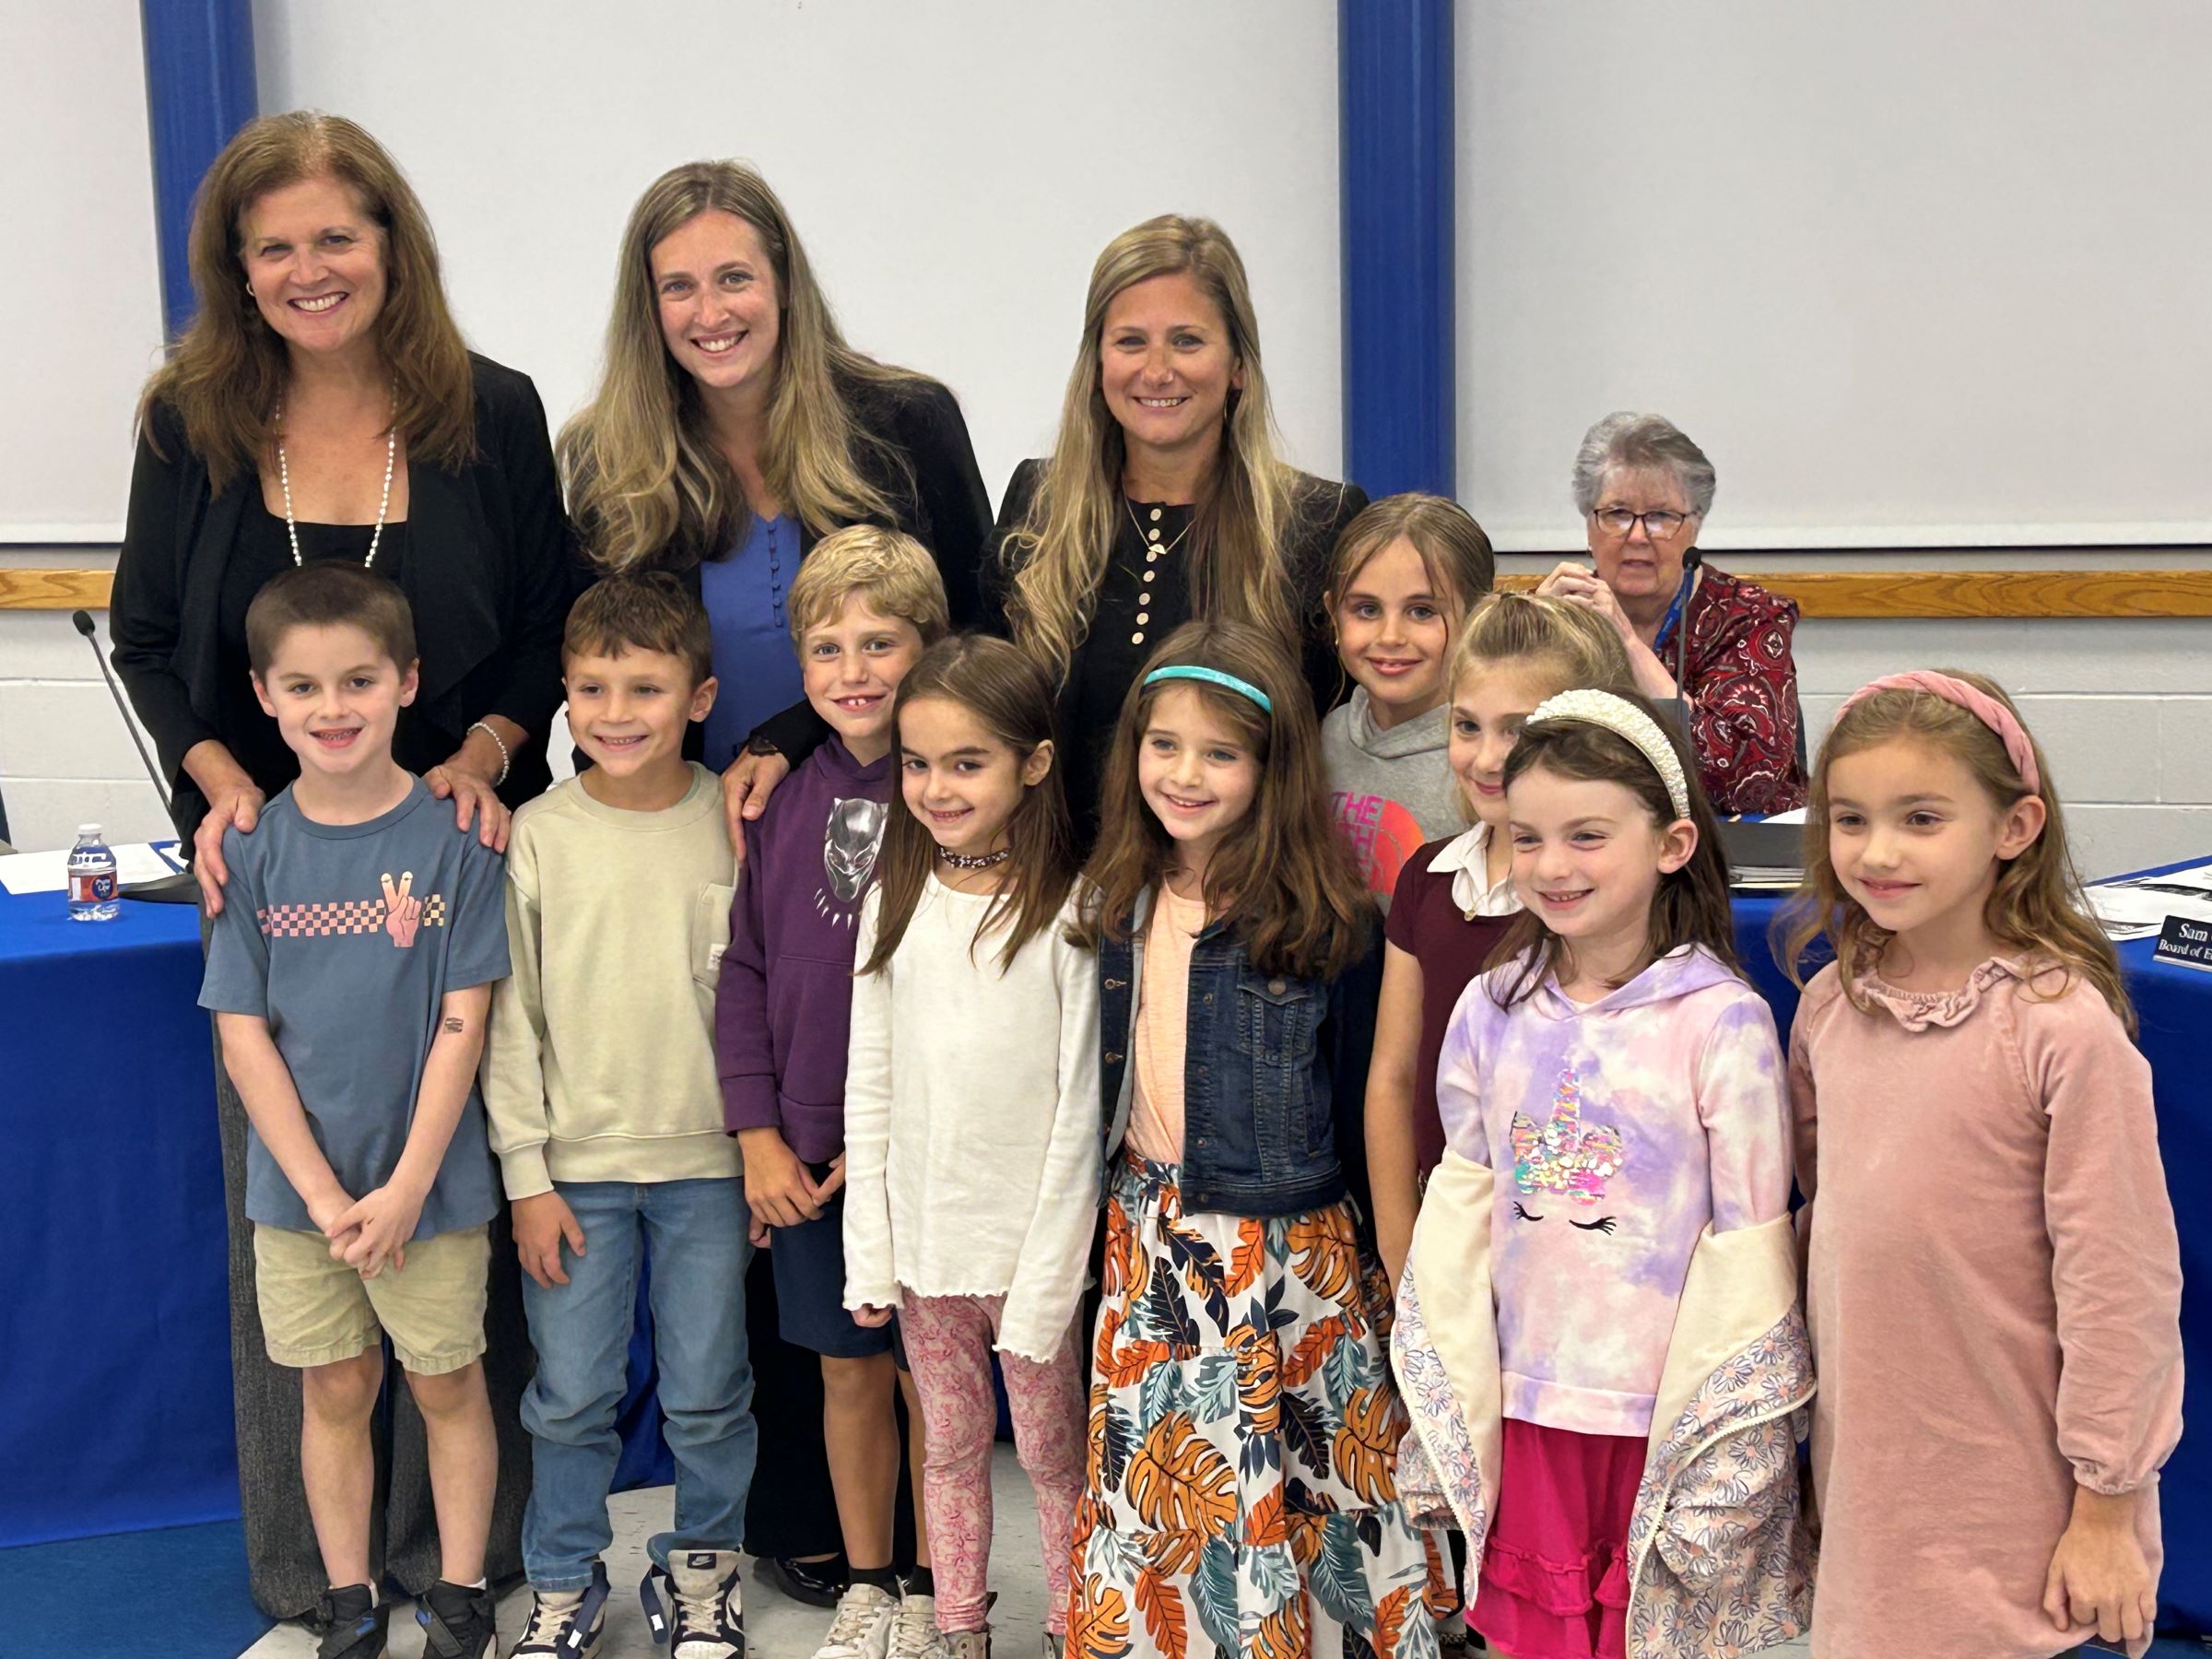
pixel 1240 1500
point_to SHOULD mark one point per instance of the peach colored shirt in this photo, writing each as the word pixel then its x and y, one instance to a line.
pixel 1994 1288
pixel 1163 1016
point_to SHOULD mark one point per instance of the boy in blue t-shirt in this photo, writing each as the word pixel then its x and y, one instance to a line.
pixel 350 973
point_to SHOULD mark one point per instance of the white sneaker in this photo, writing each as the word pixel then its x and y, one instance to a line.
pixel 565 1624
pixel 1055 1647
pixel 968 1644
pixel 915 1633
pixel 862 1629
pixel 707 1618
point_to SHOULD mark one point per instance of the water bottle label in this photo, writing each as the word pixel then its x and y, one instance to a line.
pixel 92 887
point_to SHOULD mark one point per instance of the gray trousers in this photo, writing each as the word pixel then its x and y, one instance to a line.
pixel 284 1567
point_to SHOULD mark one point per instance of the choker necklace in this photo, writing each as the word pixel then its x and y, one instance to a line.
pixel 975 861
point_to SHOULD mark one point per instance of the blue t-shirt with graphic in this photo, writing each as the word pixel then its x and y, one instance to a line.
pixel 345 938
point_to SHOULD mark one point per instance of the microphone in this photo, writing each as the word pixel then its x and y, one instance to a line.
pixel 182 888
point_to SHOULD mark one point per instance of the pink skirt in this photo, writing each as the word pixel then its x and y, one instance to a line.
pixel 1555 1572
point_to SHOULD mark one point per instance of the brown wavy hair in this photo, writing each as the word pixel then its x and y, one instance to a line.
pixel 2036 909
pixel 229 373
pixel 1283 879
pixel 643 472
pixel 1691 905
pixel 1007 691
pixel 1055 559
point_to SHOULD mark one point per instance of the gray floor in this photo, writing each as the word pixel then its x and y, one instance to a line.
pixel 775 1629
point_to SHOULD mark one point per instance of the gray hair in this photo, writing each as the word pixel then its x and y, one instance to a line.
pixel 1640 443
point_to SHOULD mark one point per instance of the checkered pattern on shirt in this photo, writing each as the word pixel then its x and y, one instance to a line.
pixel 333 917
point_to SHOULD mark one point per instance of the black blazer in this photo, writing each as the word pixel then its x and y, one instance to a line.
pixel 488 572
pixel 1106 659
pixel 1321 510
pixel 919 456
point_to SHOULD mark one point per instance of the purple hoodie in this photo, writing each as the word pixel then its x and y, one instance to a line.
pixel 784 1004
pixel 1619 1131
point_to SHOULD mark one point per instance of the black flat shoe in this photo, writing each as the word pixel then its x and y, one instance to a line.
pixel 815 1583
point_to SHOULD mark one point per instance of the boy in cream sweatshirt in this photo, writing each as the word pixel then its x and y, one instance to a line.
pixel 606 1113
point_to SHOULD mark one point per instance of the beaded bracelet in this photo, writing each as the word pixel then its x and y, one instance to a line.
pixel 506 759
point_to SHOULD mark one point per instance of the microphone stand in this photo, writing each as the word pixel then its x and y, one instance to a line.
pixel 183 887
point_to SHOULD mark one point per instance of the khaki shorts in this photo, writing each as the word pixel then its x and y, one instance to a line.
pixel 316 1310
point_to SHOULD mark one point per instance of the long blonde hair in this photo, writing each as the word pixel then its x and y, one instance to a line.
pixel 1056 557
pixel 229 373
pixel 642 473
pixel 2035 909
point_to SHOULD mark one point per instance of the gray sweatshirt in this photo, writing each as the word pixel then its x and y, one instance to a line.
pixel 1392 790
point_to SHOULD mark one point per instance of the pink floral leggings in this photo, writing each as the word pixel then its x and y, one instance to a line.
pixel 948 1347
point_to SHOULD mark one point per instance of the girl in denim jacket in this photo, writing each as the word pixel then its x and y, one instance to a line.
pixel 1239 1492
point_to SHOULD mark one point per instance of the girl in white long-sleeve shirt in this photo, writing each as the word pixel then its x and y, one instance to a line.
pixel 971 1108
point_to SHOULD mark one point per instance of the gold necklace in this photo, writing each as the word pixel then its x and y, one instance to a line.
pixel 1153 550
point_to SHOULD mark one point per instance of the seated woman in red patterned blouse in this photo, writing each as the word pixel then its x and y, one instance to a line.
pixel 1717 641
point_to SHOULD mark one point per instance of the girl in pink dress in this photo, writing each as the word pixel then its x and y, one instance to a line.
pixel 1599 1334
pixel 1994 1283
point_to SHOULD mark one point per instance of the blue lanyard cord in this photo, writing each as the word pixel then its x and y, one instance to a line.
pixel 1674 612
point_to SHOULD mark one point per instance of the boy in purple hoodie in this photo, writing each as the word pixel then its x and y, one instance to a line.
pixel 863 606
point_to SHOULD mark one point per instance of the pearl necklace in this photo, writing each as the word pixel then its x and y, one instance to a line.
pixel 284 477
pixel 975 861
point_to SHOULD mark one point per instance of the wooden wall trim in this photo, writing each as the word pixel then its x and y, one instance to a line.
pixel 1981 595
pixel 1860 595
pixel 54 589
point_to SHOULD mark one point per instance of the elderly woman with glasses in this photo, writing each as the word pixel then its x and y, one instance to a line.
pixel 1716 641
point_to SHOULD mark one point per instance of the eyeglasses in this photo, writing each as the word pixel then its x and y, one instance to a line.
pixel 1619 522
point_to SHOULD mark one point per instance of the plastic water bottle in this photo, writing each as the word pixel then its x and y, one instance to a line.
pixel 92 885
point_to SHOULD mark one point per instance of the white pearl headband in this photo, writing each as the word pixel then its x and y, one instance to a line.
pixel 1624 718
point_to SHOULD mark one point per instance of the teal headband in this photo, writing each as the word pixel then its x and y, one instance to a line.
pixel 1212 677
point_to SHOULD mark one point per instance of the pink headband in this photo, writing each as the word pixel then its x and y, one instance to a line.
pixel 1980 704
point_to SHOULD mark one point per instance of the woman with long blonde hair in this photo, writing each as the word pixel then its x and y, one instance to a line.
pixel 324 406
pixel 1165 498
pixel 732 428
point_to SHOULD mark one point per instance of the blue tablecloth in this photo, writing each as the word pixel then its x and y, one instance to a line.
pixel 114 1359
pixel 114 1346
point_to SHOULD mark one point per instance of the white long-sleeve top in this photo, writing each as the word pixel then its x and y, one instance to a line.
pixel 971 1119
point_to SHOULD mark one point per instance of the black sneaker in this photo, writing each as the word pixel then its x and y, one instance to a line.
pixel 458 1622
pixel 353 1623
pixel 812 1583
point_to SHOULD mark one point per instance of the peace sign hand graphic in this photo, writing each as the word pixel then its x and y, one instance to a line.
pixel 403 915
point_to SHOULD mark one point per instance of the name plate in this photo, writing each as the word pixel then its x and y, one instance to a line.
pixel 2185 941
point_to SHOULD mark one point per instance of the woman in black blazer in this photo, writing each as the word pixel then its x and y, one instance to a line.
pixel 1163 498
pixel 733 428
pixel 324 406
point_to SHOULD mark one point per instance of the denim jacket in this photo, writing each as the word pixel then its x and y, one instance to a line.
pixel 1274 1074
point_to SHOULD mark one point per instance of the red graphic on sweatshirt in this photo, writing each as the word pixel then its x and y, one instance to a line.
pixel 1384 836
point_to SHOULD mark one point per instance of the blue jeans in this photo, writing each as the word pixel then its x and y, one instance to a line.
pixel 694 1232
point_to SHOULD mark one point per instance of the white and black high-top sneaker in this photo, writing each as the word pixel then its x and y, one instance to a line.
pixel 351 1622
pixel 565 1624
pixel 705 1618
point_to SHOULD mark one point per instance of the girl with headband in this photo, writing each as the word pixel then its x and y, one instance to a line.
pixel 1598 1317
pixel 1993 1282
pixel 1239 1495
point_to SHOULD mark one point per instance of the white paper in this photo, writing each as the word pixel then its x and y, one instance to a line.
pixel 1794 816
pixel 48 871
pixel 2137 908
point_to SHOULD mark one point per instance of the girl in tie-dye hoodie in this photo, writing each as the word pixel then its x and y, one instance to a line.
pixel 1598 1332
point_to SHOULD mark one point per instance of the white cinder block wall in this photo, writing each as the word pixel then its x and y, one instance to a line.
pixel 66 756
